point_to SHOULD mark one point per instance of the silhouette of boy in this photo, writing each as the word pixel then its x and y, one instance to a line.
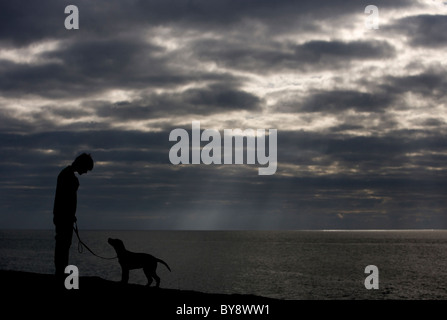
pixel 64 211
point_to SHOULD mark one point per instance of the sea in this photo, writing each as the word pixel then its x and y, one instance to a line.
pixel 290 265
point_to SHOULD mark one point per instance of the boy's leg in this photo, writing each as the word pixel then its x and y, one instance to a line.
pixel 64 233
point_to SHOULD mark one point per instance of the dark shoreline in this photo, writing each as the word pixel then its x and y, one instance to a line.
pixel 22 282
pixel 105 297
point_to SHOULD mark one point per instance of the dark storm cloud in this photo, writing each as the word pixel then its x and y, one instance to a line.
pixel 400 154
pixel 430 83
pixel 242 18
pixel 423 30
pixel 337 101
pixel 316 51
pixel 345 127
pixel 432 122
pixel 311 55
pixel 25 22
pixel 67 142
pixel 212 99
pixel 382 96
pixel 92 66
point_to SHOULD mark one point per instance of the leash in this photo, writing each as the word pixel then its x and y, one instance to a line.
pixel 81 244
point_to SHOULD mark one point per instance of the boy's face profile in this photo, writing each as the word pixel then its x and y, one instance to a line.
pixel 81 169
pixel 82 164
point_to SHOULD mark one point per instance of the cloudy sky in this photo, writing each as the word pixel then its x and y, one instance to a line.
pixel 361 113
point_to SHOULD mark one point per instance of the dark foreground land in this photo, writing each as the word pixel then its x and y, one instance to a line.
pixel 42 294
pixel 26 295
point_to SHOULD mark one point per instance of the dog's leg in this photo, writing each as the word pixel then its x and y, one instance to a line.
pixel 148 272
pixel 125 276
pixel 157 279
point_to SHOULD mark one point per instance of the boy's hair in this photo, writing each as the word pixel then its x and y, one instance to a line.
pixel 85 160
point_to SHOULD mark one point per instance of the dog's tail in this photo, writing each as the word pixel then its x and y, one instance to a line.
pixel 161 261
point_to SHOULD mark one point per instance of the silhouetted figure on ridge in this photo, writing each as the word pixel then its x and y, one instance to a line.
pixel 64 211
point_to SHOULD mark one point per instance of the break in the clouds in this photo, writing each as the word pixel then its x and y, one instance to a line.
pixel 360 113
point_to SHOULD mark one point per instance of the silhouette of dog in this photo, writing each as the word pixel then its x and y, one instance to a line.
pixel 132 260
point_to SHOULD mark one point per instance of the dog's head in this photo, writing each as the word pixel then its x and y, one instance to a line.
pixel 117 244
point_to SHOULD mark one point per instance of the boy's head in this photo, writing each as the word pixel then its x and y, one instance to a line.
pixel 83 163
